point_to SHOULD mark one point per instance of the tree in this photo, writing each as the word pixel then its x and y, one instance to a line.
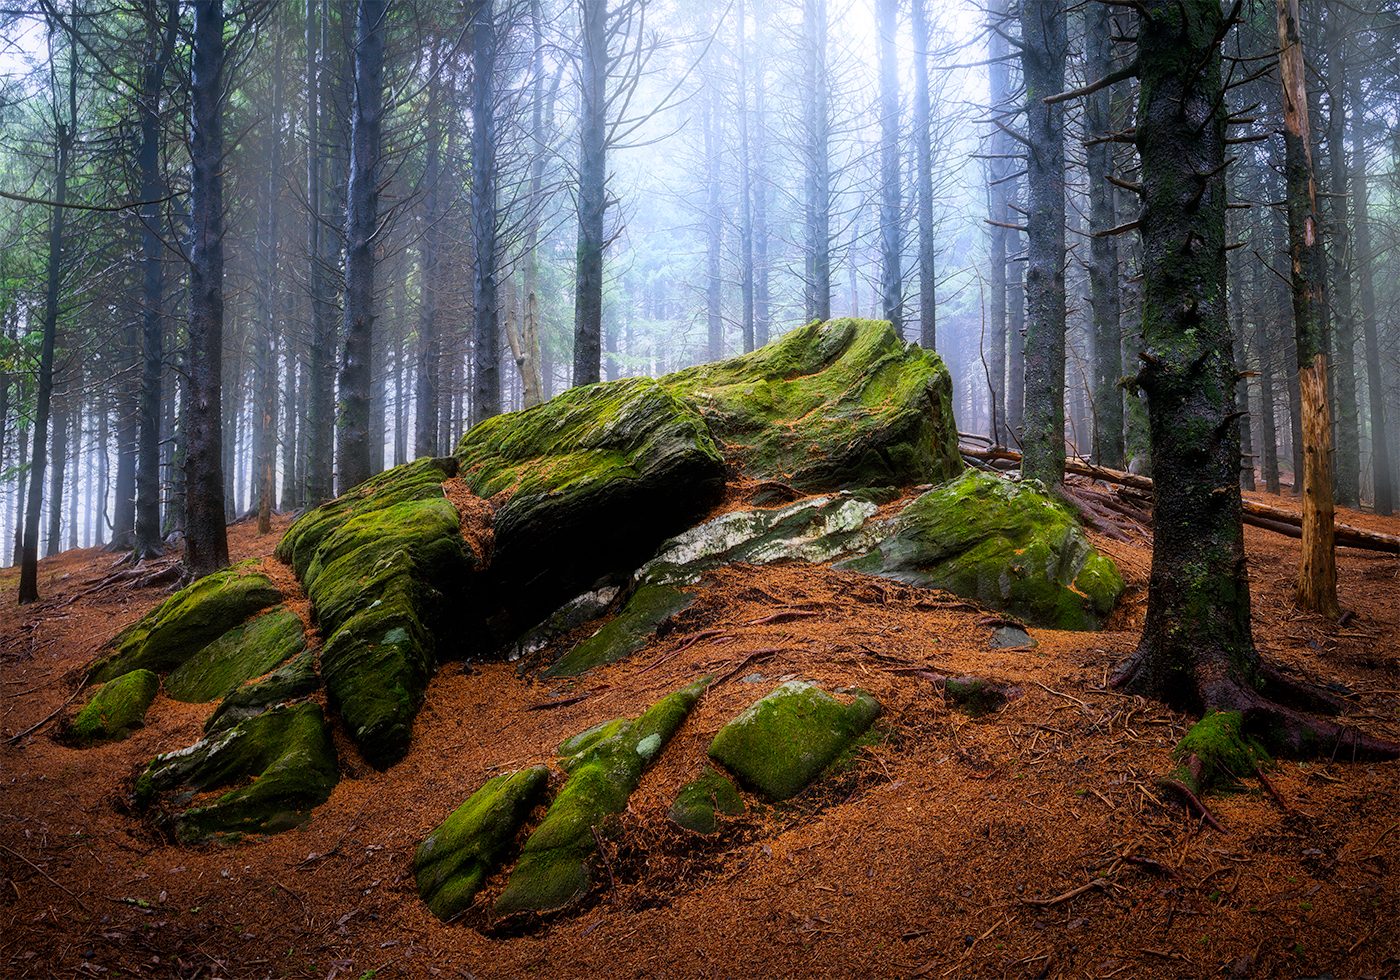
pixel 817 136
pixel 1317 574
pixel 361 237
pixel 891 221
pixel 923 149
pixel 486 332
pixel 1197 652
pixel 206 535
pixel 1043 38
pixel 592 192
pixel 320 395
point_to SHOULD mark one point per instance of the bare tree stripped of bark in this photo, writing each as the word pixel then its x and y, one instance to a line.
pixel 1317 574
pixel 361 227
pixel 206 536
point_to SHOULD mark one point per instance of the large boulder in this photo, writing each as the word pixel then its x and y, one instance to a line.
pixel 628 631
pixel 605 764
pixel 187 622
pixel 275 767
pixel 588 484
pixel 1005 543
pixel 118 706
pixel 381 564
pixel 245 652
pixel 833 405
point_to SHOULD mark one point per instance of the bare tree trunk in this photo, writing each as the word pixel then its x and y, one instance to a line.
pixel 1317 576
pixel 426 403
pixel 361 221
pixel 63 419
pixel 486 313
pixel 1103 262
pixel 746 271
pixel 320 383
pixel 923 150
pixel 818 179
pixel 891 225
pixel 265 354
pixel 714 228
pixel 592 194
pixel 759 184
pixel 206 534
pixel 1043 61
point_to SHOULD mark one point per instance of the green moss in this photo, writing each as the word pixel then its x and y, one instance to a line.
pixel 185 623
pixel 1225 753
pixel 293 680
pixel 116 708
pixel 1003 543
pixel 244 652
pixel 649 607
pixel 844 403
pixel 700 802
pixel 454 860
pixel 779 744
pixel 279 765
pixel 604 764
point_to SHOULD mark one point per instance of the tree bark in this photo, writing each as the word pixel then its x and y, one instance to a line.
pixel 206 535
pixel 265 356
pixel 923 151
pixel 592 194
pixel 746 271
pixel 818 164
pixel 361 221
pixel 1103 249
pixel 1347 462
pixel 320 382
pixel 486 313
pixel 1043 62
pixel 1317 575
pixel 714 229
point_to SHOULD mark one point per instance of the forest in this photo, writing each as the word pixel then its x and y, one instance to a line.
pixel 390 389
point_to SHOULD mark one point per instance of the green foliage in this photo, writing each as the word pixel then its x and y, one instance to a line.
pixel 117 707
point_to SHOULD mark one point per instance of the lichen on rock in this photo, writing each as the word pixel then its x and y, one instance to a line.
pixel 782 742
pixel 1004 543
pixel 117 707
pixel 604 764
pixel 453 861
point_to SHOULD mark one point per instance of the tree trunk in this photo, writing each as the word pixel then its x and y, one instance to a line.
pixel 1196 647
pixel 58 470
pixel 206 534
pixel 320 384
pixel 486 313
pixel 759 184
pixel 265 355
pixel 361 221
pixel 714 228
pixel 923 152
pixel 1103 249
pixel 818 178
pixel 1043 63
pixel 746 276
pixel 891 225
pixel 1347 462
pixel 1317 575
pixel 426 405
pixel 592 194
pixel 147 540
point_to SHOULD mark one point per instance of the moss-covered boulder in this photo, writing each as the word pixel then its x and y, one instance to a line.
pixel 604 765
pixel 118 706
pixel 379 564
pixel 779 744
pixel 276 767
pixel 590 483
pixel 1004 543
pixel 832 405
pixel 816 529
pixel 700 802
pixel 263 643
pixel 629 630
pixel 293 680
pixel 184 624
pixel 457 857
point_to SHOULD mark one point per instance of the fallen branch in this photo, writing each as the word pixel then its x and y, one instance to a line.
pixel 757 655
pixel 1072 893
pixel 782 616
pixel 1195 802
pixel 13 739
pixel 561 703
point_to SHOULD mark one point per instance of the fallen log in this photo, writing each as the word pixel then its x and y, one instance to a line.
pixel 1256 513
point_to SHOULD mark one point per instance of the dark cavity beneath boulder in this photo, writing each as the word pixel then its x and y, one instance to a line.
pixel 454 860
pixel 277 766
pixel 780 744
pixel 840 404
pixel 118 706
pixel 590 483
pixel 1006 544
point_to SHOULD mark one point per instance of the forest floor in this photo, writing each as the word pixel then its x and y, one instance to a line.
pixel 1032 842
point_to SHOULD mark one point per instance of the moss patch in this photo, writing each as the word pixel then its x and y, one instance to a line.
pixel 280 765
pixel 831 405
pixel 241 654
pixel 456 858
pixel 604 764
pixel 649 607
pixel 297 678
pixel 1003 543
pixel 1216 750
pixel 185 623
pixel 779 744
pixel 118 706
pixel 700 802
